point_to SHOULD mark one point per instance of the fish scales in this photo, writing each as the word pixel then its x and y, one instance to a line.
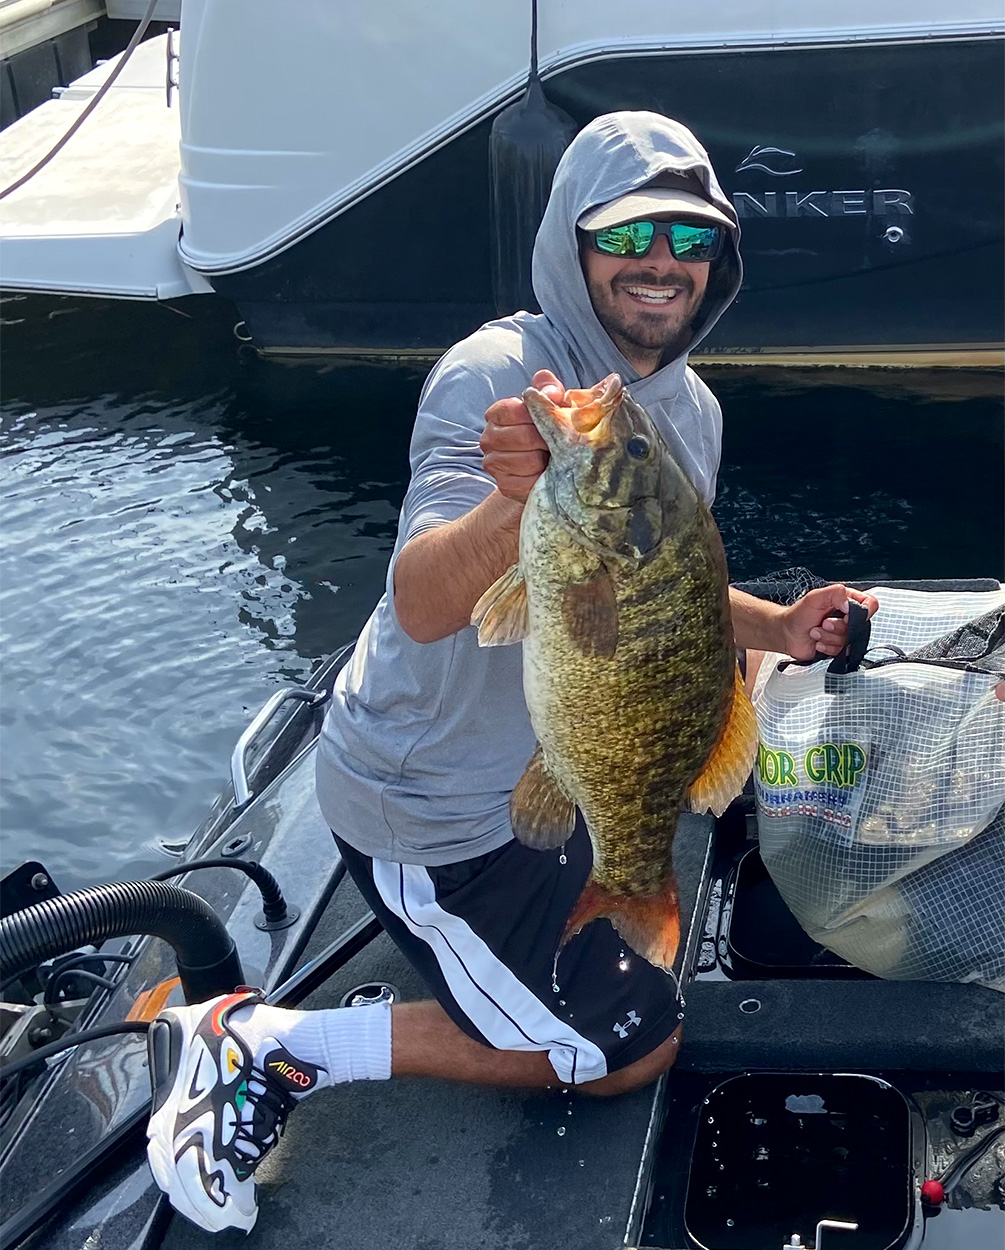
pixel 621 598
pixel 627 735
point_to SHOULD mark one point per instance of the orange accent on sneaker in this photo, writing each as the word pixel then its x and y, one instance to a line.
pixel 216 1019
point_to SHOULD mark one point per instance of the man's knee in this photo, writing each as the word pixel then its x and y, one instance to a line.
pixel 642 1072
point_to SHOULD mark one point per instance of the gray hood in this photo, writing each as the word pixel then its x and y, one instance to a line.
pixel 613 155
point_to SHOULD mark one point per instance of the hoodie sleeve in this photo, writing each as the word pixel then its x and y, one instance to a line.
pixel 446 460
pixel 447 475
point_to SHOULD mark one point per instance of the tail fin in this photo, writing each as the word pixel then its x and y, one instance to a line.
pixel 650 926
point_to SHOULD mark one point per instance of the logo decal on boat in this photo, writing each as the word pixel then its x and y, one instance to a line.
pixel 763 158
pixel 875 202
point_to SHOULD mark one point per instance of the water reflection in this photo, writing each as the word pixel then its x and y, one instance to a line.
pixel 186 527
pixel 176 545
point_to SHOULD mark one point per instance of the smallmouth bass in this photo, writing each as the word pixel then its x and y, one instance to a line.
pixel 621 599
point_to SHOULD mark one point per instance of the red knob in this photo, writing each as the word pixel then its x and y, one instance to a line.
pixel 932 1193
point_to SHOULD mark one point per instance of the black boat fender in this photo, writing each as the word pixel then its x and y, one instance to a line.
pixel 526 143
pixel 208 963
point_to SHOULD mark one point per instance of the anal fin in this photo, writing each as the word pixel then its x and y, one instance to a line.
pixel 650 925
pixel 541 814
pixel 729 763
pixel 501 613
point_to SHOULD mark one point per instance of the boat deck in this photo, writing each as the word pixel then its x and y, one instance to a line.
pixel 415 1164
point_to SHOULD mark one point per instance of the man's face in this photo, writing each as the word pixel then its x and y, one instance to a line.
pixel 646 304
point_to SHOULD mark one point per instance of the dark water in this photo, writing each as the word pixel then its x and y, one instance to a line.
pixel 185 528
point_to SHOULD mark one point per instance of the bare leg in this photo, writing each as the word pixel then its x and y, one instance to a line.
pixel 426 1042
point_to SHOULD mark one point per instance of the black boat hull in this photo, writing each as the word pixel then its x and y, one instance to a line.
pixel 868 180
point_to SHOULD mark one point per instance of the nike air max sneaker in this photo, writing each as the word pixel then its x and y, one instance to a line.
pixel 216 1111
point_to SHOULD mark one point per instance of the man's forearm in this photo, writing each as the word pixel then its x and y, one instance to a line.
pixel 441 574
pixel 756 622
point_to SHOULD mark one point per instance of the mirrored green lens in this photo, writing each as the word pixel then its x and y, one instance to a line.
pixel 693 242
pixel 632 239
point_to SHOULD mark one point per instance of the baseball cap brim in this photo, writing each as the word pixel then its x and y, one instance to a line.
pixel 649 202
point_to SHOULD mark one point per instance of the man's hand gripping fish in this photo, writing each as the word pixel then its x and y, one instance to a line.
pixel 621 600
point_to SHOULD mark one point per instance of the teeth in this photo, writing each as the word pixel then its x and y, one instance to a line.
pixel 653 294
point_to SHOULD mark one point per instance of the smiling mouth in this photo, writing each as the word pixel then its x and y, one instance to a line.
pixel 655 296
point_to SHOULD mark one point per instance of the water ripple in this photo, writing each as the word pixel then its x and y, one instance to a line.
pixel 166 559
pixel 184 530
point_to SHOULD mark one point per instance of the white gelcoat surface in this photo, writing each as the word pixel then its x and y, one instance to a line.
pixel 102 217
pixel 288 122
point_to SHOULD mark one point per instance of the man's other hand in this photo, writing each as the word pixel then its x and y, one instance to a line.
pixel 513 451
pixel 808 626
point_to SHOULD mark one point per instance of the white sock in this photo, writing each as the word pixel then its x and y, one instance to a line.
pixel 323 1047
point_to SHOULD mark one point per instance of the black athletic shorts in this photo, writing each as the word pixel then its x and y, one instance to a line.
pixel 483 934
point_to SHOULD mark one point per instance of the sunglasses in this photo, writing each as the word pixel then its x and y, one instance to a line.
pixel 635 238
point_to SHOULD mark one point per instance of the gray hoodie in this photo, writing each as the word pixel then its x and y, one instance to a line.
pixel 424 742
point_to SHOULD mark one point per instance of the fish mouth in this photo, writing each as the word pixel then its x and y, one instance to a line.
pixel 582 417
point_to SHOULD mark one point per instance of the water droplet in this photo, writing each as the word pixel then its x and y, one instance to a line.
pixel 569 1112
pixel 555 989
pixel 561 1131
pixel 729 1223
pixel 623 965
pixel 565 1091
pixel 561 1002
pixel 711 1119
pixel 680 1015
pixel 582 1163
pixel 562 859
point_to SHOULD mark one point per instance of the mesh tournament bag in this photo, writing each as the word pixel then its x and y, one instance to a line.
pixel 880 784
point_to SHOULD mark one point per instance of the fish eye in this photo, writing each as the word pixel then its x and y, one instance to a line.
pixel 637 447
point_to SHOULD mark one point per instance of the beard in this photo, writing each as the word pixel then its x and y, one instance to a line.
pixel 666 333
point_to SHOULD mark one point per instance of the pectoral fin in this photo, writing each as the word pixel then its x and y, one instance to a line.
pixel 501 612
pixel 731 759
pixel 590 615
pixel 541 814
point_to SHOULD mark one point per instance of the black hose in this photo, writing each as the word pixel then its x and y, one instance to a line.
pixel 208 962
pixel 50 995
pixel 273 903
pixel 71 1039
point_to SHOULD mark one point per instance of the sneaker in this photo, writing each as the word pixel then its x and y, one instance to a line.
pixel 216 1111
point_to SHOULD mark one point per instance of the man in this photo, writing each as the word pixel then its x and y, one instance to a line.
pixel 635 261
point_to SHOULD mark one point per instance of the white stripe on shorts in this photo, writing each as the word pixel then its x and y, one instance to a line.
pixel 493 998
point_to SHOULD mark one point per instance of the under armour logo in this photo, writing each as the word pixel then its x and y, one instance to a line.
pixel 622 1029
